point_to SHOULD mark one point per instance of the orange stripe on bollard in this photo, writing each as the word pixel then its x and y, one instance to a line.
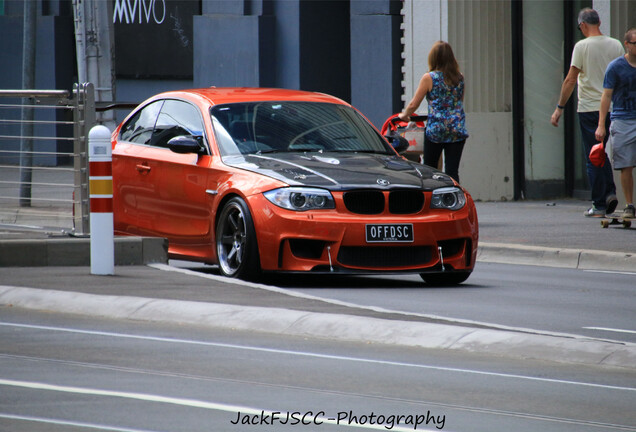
pixel 100 186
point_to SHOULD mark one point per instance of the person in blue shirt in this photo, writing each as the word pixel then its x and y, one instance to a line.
pixel 619 88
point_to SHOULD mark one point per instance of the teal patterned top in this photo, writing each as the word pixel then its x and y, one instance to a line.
pixel 446 118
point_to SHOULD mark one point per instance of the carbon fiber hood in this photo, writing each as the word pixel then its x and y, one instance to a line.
pixel 342 171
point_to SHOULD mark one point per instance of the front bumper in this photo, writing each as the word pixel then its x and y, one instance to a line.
pixel 329 241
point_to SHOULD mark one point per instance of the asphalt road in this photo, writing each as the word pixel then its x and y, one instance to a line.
pixel 545 299
pixel 70 373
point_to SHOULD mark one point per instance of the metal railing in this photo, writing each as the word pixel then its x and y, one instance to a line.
pixel 43 158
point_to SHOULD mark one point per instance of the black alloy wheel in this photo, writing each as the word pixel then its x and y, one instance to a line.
pixel 236 246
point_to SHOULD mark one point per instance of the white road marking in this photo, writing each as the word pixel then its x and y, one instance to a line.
pixel 611 272
pixel 318 355
pixel 69 423
pixel 317 419
pixel 611 330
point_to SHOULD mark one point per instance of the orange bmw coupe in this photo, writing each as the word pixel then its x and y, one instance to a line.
pixel 269 180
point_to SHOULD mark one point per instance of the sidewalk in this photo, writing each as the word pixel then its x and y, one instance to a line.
pixel 555 224
pixel 553 233
pixel 51 200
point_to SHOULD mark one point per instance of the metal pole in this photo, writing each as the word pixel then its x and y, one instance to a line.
pixel 84 120
pixel 28 82
pixel 94 43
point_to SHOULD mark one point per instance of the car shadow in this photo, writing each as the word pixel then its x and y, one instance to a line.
pixel 355 282
pixel 340 281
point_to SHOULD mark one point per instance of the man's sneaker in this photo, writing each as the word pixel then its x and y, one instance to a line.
pixel 629 211
pixel 594 212
pixel 612 202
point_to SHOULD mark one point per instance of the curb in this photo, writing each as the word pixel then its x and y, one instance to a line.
pixel 75 251
pixel 326 325
pixel 582 259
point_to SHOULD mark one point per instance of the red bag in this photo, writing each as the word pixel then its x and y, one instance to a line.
pixel 597 155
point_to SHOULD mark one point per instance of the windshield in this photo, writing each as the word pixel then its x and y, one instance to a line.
pixel 266 127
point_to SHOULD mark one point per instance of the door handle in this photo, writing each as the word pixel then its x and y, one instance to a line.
pixel 142 168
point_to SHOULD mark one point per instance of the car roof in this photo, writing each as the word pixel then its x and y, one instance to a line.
pixel 223 95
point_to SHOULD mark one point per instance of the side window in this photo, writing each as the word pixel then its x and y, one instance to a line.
pixel 177 118
pixel 139 128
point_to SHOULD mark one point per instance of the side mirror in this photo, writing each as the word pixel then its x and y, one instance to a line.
pixel 184 144
pixel 399 143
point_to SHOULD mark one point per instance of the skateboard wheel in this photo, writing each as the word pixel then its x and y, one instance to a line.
pixel 604 223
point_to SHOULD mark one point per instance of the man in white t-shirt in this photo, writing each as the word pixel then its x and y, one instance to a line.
pixel 590 58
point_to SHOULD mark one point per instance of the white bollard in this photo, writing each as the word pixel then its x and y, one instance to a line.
pixel 100 183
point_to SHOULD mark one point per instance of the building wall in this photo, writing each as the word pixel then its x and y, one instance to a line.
pixel 325 51
pixel 479 34
pixel 233 50
pixel 54 69
pixel 544 146
pixel 424 24
pixel 286 46
pixel 486 169
pixel 376 59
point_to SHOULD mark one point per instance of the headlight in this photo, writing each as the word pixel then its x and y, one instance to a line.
pixel 300 198
pixel 451 198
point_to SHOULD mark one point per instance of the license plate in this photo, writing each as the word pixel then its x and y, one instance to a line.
pixel 378 233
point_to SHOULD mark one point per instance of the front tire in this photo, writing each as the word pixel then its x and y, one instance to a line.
pixel 236 246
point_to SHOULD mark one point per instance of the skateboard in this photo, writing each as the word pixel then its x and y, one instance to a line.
pixel 615 219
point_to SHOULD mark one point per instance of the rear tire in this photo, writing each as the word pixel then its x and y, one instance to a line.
pixel 236 246
pixel 445 279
